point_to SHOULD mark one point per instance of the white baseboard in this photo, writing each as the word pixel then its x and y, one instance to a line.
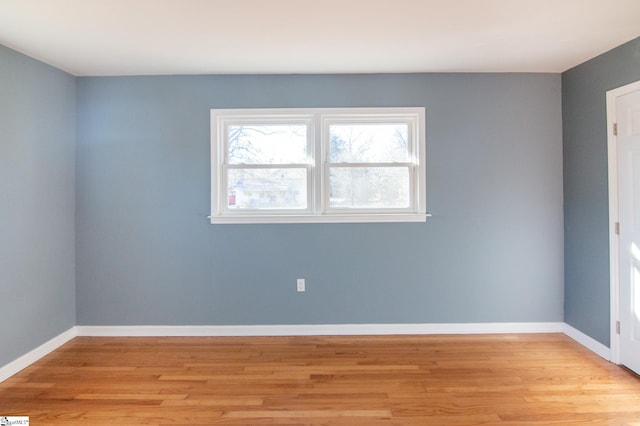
pixel 302 330
pixel 588 342
pixel 34 355
pixel 320 329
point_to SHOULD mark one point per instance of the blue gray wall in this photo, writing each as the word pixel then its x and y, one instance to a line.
pixel 37 142
pixel 586 205
pixel 492 252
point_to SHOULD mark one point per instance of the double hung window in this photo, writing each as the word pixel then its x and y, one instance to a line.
pixel 317 165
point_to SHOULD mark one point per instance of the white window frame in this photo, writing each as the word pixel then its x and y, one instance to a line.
pixel 318 121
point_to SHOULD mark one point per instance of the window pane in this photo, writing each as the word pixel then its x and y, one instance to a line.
pixel 369 143
pixel 267 144
pixel 369 187
pixel 267 189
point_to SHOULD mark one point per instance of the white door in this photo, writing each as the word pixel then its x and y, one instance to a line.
pixel 628 142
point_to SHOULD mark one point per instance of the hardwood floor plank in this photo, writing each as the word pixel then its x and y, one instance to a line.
pixel 130 396
pixel 531 379
pixel 309 414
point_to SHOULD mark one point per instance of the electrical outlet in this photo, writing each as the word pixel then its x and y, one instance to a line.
pixel 300 284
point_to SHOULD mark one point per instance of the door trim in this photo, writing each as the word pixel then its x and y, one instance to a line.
pixel 614 254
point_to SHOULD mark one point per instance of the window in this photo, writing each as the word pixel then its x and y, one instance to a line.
pixel 317 165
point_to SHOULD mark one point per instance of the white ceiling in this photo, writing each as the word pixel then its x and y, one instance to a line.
pixel 130 37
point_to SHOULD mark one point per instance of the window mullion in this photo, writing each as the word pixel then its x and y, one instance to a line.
pixel 316 143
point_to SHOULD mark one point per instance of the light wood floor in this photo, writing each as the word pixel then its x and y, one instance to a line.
pixel 541 379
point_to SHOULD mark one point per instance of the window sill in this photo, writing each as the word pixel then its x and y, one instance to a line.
pixel 335 218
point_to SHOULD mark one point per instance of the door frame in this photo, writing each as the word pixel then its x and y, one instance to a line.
pixel 614 217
